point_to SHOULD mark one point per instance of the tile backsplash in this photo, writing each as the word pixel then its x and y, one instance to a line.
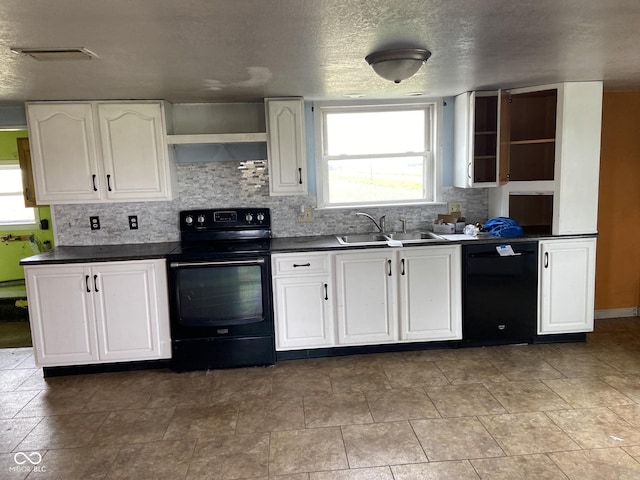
pixel 240 184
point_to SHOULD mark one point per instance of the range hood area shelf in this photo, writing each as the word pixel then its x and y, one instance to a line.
pixel 217 123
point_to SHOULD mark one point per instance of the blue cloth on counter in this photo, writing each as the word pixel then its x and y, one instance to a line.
pixel 503 227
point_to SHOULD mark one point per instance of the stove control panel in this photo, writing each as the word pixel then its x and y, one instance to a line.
pixel 225 219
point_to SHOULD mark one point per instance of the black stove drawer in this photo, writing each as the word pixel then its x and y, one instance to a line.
pixel 213 353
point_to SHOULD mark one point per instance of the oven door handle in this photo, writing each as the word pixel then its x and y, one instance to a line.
pixel 258 261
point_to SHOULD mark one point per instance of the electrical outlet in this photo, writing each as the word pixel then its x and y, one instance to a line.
pixel 454 207
pixel 133 222
pixel 95 223
pixel 305 215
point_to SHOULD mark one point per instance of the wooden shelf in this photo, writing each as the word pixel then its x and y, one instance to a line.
pixel 484 157
pixel 533 142
pixel 486 133
pixel 216 138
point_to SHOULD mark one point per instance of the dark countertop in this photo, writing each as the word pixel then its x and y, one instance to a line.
pixel 101 253
pixel 330 243
pixel 143 251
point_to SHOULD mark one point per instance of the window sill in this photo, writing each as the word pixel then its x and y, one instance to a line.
pixel 380 205
pixel 18 227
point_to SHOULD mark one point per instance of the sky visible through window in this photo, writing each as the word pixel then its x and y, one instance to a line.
pixel 376 156
pixel 12 209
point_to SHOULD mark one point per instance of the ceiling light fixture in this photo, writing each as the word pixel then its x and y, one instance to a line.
pixel 397 65
pixel 53 54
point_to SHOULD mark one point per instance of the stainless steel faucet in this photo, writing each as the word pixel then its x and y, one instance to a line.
pixel 380 226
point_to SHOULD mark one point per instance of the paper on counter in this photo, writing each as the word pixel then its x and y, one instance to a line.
pixel 394 243
pixel 458 236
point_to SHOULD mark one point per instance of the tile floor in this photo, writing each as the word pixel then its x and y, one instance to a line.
pixel 563 411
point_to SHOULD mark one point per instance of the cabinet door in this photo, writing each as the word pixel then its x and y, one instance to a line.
pixel 63 152
pixel 567 284
pixel 576 204
pixel 287 151
pixel 303 308
pixel 430 293
pixel 365 298
pixel 134 151
pixel 61 314
pixel 131 310
pixel 476 133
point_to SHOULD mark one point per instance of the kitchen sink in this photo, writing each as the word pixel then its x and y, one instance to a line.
pixel 360 238
pixel 379 238
pixel 414 236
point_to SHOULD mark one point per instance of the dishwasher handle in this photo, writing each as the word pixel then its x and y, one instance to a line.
pixel 496 255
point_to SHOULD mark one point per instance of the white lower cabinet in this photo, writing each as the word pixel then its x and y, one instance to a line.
pixel 98 312
pixel 430 293
pixel 566 286
pixel 365 297
pixel 412 294
pixel 303 301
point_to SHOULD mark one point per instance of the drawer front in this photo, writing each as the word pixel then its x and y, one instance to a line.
pixel 300 264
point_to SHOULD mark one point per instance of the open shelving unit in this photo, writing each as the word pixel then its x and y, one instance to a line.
pixel 532 136
pixel 216 138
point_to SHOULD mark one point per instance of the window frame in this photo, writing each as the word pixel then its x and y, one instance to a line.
pixel 432 170
pixel 4 226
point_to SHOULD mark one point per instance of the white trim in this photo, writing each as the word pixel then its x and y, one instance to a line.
pixel 432 158
pixel 617 313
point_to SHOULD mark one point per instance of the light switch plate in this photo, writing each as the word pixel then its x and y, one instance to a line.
pixel 305 215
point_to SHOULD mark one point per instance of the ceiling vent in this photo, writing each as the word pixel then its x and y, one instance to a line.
pixel 56 54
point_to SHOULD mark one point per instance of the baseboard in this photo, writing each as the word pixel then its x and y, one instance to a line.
pixel 617 313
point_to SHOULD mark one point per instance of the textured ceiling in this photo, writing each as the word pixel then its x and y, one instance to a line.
pixel 231 50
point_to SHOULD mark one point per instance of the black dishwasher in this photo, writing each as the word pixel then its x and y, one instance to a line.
pixel 500 293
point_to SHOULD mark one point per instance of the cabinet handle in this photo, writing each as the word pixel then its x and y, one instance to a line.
pixel 389 265
pixel 86 283
pixel 300 176
pixel 469 170
pixel 109 183
pixel 326 292
pixel 546 259
pixel 295 265
pixel 95 283
pixel 402 266
pixel 93 180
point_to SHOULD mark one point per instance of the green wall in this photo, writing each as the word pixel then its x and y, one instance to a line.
pixel 11 252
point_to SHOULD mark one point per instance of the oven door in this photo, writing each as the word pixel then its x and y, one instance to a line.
pixel 221 297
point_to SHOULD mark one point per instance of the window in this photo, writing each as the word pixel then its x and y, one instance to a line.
pixel 376 154
pixel 12 210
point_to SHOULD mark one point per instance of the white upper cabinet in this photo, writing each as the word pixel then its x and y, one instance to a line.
pixel 476 139
pixel 551 159
pixel 99 152
pixel 64 152
pixel 577 176
pixel 286 143
pixel 134 151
